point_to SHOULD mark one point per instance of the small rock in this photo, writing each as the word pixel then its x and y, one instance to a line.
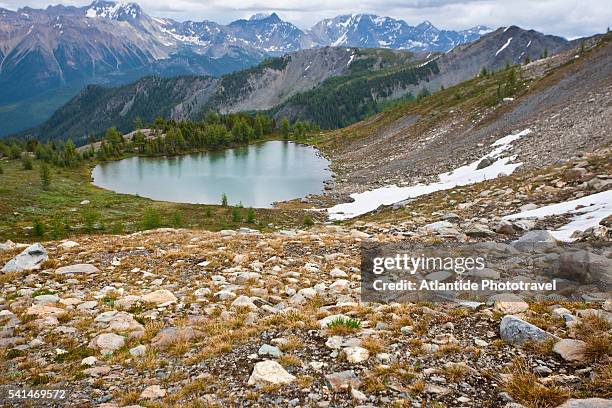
pixel 337 273
pixel 358 395
pixel 571 350
pixel 107 342
pixel 68 245
pixel 587 403
pixel 323 323
pixel 243 301
pixel 159 297
pixel 153 392
pixel 356 354
pixel 268 350
pixel 46 299
pixel 269 372
pixel 89 361
pixel 170 335
pixel 84 269
pixel 510 304
pixel 138 351
pixel 342 380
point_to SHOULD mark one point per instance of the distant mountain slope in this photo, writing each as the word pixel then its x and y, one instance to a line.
pixel 47 55
pixel 563 100
pixel 260 88
pixel 340 102
pixel 332 86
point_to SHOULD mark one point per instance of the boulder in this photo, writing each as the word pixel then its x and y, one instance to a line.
pixel 30 259
pixel 356 354
pixel 269 372
pixel 171 335
pixel 153 392
pixel 159 297
pixel 243 301
pixel 514 330
pixel 77 269
pixel 268 350
pixel 107 342
pixel 508 303
pixel 341 381
pixel 571 350
pixel 118 321
pixel 584 267
pixel 536 239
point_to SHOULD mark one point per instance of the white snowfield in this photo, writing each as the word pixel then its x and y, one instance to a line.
pixel 593 209
pixel 371 200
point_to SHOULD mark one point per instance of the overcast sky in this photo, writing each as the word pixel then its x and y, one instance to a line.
pixel 569 18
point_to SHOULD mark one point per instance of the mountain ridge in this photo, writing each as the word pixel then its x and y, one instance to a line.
pixel 333 86
pixel 47 53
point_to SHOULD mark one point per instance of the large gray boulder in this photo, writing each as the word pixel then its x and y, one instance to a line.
pixel 30 259
pixel 584 267
pixel 539 240
pixel 514 330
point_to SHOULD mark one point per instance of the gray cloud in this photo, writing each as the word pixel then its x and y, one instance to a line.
pixel 569 18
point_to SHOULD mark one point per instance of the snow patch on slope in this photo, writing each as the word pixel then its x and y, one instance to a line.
pixel 587 211
pixel 503 47
pixel 371 200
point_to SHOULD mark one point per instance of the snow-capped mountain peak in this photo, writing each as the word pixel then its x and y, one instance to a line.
pixel 113 10
pixel 263 16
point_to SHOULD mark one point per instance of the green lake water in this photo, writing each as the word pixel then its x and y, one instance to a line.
pixel 256 175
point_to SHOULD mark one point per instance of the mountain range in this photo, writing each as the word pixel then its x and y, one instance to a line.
pixel 48 55
pixel 332 86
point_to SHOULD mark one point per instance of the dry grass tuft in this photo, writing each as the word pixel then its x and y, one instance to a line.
pixel 598 346
pixel 152 327
pixel 373 384
pixel 293 342
pixel 524 387
pixel 540 347
pixel 289 360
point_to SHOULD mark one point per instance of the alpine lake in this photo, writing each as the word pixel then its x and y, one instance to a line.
pixel 256 175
